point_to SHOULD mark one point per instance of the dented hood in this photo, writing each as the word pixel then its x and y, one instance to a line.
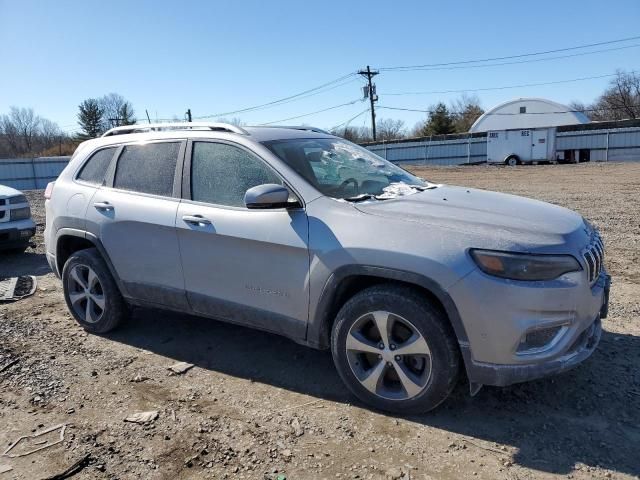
pixel 498 216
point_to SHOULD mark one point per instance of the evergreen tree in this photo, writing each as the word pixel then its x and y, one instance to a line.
pixel 126 115
pixel 440 121
pixel 90 119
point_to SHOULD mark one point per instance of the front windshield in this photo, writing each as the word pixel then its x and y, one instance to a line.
pixel 341 169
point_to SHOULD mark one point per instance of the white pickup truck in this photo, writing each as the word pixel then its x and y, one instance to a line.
pixel 16 225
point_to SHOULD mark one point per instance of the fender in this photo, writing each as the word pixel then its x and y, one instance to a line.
pixel 318 330
pixel 98 244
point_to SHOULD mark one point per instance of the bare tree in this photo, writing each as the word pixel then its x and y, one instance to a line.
pixel 466 110
pixel 621 100
pixel 389 129
pixel 117 111
pixel 354 134
pixel 20 128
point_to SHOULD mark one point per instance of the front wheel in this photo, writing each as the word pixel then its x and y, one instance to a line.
pixel 91 293
pixel 512 161
pixel 394 350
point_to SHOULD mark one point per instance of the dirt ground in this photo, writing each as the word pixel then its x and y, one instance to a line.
pixel 258 406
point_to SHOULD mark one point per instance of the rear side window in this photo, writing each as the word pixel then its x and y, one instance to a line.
pixel 95 169
pixel 221 174
pixel 148 168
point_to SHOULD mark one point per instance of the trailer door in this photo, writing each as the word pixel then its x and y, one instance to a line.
pixel 539 146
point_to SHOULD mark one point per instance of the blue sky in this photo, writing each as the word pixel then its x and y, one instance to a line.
pixel 219 56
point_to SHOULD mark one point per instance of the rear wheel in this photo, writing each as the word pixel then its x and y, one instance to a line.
pixel 91 293
pixel 512 161
pixel 394 350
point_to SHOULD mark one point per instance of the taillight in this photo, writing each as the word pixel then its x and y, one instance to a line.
pixel 49 190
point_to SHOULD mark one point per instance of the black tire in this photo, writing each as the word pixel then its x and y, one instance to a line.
pixel 429 321
pixel 115 308
pixel 512 161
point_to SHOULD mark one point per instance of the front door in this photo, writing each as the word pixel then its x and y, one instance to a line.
pixel 244 266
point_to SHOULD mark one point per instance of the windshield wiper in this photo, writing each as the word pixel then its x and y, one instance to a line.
pixel 360 198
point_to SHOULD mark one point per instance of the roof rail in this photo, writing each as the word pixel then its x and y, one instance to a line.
pixel 141 128
pixel 297 127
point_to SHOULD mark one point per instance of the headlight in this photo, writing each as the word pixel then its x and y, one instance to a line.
pixel 522 266
pixel 20 213
pixel 18 199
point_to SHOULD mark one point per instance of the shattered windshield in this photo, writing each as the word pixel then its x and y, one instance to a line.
pixel 343 170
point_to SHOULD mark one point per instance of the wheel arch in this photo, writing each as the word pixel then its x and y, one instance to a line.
pixel 511 155
pixel 351 279
pixel 70 241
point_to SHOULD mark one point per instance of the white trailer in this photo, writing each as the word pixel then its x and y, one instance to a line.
pixel 526 145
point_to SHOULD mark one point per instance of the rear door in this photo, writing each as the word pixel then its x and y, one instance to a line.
pixel 245 266
pixel 134 217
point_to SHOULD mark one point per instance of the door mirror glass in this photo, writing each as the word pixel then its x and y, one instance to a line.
pixel 268 195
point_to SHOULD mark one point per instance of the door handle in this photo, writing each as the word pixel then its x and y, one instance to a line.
pixel 103 206
pixel 196 220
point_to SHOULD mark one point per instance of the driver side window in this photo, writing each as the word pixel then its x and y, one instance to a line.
pixel 221 173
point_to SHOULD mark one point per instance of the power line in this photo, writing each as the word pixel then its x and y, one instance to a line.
pixel 312 113
pixel 345 124
pixel 518 61
pixel 509 57
pixel 505 87
pixel 281 100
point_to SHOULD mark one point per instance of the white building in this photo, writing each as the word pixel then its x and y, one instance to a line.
pixel 527 113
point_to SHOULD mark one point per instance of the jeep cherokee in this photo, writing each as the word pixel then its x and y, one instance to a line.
pixel 301 233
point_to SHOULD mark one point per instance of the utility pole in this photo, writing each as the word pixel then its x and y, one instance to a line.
pixel 188 115
pixel 372 96
pixel 148 118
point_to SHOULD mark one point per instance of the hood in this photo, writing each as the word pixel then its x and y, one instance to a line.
pixel 6 191
pixel 501 220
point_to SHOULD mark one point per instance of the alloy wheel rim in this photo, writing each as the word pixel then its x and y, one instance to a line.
pixel 86 293
pixel 388 356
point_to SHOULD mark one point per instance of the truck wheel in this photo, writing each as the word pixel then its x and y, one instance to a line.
pixel 91 293
pixel 394 350
pixel 512 161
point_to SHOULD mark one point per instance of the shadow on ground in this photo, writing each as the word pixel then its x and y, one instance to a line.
pixel 589 415
pixel 28 263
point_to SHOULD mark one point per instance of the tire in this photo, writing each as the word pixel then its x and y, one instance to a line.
pixel 413 321
pixel 99 308
pixel 512 161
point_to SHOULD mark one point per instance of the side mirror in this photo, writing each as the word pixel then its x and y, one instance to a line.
pixel 269 195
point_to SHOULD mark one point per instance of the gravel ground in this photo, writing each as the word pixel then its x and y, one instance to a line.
pixel 258 406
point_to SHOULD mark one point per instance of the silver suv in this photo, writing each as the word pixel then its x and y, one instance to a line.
pixel 298 232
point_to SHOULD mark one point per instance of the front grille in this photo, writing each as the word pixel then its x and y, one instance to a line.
pixel 594 257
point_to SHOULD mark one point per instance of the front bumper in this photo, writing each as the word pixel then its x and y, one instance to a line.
pixel 16 234
pixel 502 375
pixel 499 314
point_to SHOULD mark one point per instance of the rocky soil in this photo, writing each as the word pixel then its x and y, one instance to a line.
pixel 258 406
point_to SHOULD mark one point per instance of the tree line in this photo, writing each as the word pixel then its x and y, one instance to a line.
pixel 24 133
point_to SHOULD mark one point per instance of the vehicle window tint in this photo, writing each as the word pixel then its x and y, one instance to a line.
pixel 148 168
pixel 95 169
pixel 221 173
